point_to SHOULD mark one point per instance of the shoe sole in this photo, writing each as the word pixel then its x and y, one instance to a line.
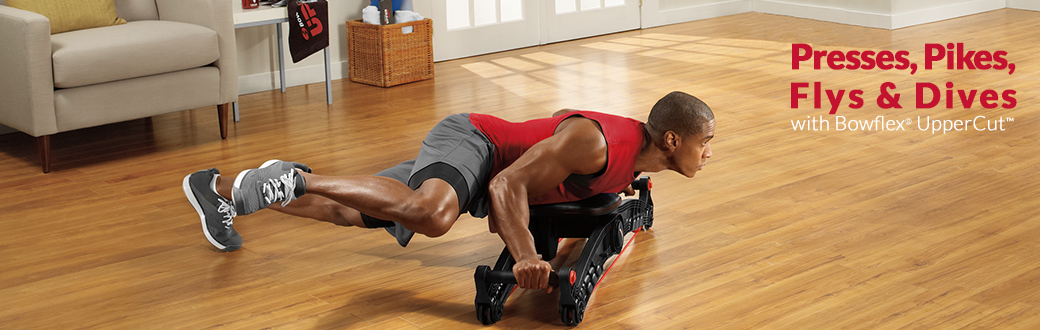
pixel 202 215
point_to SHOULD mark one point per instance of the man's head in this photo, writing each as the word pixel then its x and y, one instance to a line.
pixel 682 126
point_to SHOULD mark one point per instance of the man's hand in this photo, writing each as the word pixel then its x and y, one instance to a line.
pixel 532 273
pixel 628 191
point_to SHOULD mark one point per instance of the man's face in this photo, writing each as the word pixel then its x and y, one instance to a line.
pixel 694 151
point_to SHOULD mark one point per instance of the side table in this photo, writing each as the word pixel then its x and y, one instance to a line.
pixel 265 15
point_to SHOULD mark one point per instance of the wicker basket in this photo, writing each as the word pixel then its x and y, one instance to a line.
pixel 383 55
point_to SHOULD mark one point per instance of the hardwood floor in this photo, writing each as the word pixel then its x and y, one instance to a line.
pixel 783 229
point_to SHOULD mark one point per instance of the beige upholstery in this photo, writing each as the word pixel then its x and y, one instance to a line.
pixel 138 49
pixel 137 10
pixel 173 55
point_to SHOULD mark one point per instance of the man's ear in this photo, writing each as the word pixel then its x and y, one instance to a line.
pixel 672 140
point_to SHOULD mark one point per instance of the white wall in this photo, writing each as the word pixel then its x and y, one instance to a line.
pixel 884 14
pixel 913 12
pixel 866 6
pixel 257 51
pixel 1024 4
pixel 666 5
pixel 870 13
pixel 664 12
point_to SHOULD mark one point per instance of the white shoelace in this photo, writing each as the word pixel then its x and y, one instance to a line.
pixel 228 211
pixel 281 188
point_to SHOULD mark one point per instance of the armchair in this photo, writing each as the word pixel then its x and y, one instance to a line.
pixel 172 55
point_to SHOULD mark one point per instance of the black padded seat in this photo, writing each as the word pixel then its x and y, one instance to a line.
pixel 595 205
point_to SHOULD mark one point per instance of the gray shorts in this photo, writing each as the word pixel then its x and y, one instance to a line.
pixel 457 152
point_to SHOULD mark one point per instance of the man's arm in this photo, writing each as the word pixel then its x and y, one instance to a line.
pixel 576 148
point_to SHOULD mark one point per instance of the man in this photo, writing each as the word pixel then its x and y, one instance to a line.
pixel 475 163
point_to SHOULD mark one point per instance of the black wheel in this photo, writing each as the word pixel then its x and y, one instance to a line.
pixel 567 315
pixel 571 315
pixel 618 241
pixel 488 314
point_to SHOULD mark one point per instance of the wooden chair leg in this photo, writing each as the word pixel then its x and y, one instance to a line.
pixel 43 143
pixel 222 116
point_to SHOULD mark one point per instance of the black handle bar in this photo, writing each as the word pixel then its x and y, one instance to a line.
pixel 505 276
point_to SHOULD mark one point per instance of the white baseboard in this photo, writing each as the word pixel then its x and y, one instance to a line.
pixel 293 77
pixel 693 13
pixel 936 14
pixel 827 14
pixel 879 20
pixel 1024 4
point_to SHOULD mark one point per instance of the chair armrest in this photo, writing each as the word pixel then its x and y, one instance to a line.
pixel 27 86
pixel 216 15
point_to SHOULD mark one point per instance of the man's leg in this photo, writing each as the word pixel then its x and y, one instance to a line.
pixel 425 195
pixel 307 206
pixel 431 209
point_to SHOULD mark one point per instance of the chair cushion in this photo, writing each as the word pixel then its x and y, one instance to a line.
pixel 135 49
pixel 66 15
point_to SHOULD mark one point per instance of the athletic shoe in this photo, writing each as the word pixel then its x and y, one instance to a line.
pixel 216 212
pixel 275 181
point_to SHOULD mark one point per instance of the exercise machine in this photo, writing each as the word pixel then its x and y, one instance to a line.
pixel 603 219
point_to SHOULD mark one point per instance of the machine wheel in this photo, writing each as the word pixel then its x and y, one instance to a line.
pixel 618 241
pixel 571 315
pixel 488 314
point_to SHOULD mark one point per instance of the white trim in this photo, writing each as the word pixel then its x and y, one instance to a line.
pixel 1024 4
pixel 935 14
pixel 820 13
pixel 266 81
pixel 880 20
pixel 652 17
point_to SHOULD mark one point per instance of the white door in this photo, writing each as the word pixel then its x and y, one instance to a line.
pixel 572 19
pixel 471 27
pixel 664 12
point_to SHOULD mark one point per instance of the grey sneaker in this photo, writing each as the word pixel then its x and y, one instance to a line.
pixel 275 181
pixel 216 212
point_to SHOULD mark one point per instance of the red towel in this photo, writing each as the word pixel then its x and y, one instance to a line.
pixel 308 28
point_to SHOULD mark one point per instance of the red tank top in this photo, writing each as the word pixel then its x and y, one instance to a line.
pixel 624 138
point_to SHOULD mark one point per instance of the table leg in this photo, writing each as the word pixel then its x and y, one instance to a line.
pixel 328 78
pixel 281 58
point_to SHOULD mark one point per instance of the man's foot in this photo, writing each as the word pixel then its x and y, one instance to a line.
pixel 275 181
pixel 216 212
